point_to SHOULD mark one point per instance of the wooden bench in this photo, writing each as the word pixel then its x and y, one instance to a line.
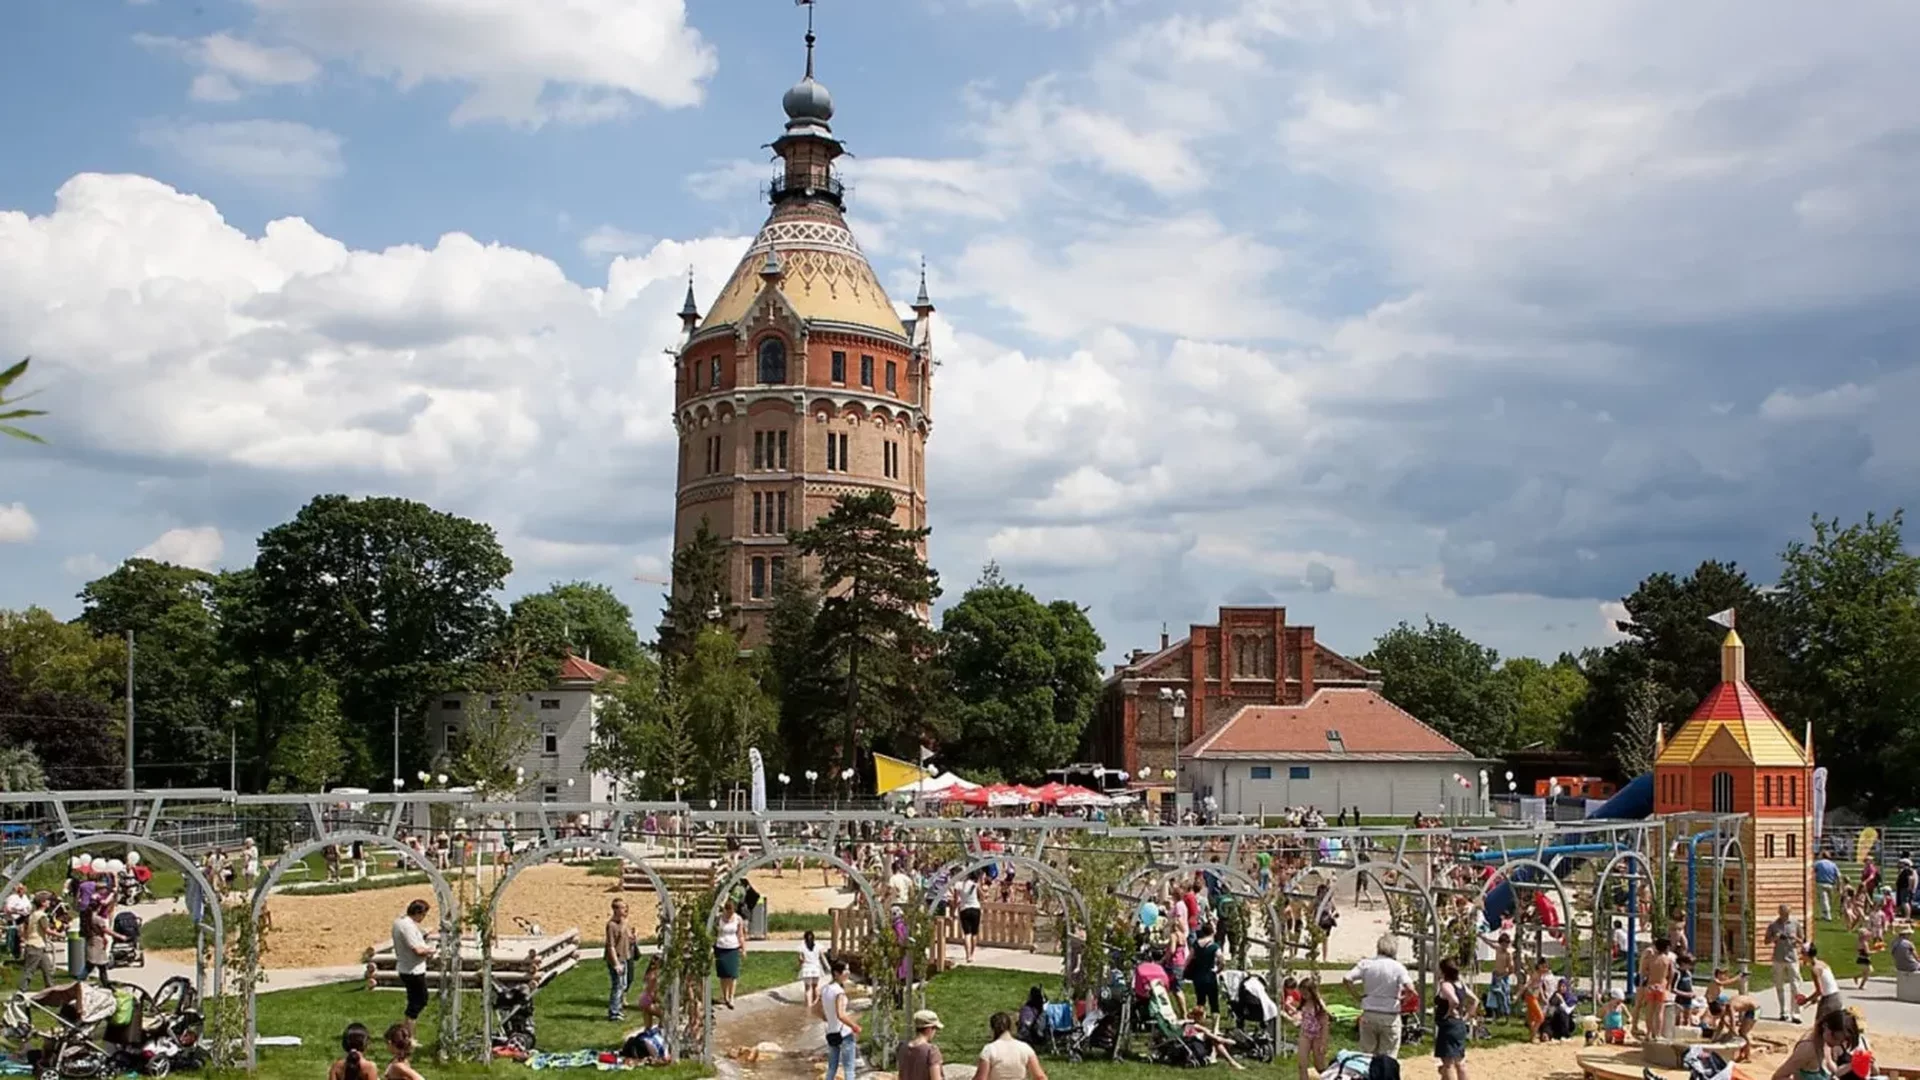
pixel 1897 1070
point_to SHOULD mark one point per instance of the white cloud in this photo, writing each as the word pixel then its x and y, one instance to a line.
pixel 86 565
pixel 200 548
pixel 269 153
pixel 608 240
pixel 16 524
pixel 520 64
pixel 229 66
pixel 464 371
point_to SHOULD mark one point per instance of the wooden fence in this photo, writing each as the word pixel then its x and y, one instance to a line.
pixel 851 925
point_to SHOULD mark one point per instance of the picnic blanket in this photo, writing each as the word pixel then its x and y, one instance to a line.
pixel 578 1059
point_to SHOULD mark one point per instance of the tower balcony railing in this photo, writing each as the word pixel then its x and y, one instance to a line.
pixel 783 186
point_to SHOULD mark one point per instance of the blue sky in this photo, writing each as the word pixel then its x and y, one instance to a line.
pixel 1374 309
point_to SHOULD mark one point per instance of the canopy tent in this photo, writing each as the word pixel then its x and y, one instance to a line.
pixel 942 786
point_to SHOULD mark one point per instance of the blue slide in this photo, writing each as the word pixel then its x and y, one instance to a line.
pixel 1631 803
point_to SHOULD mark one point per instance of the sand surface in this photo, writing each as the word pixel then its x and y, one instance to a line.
pixel 1557 1061
pixel 330 931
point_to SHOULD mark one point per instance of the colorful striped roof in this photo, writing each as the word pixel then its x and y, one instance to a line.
pixel 1734 711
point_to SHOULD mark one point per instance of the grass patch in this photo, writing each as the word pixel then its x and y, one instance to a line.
pixel 965 997
pixel 797 922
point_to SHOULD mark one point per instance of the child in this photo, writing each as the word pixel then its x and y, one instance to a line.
pixel 1864 957
pixel 400 1045
pixel 1683 990
pixel 1500 993
pixel 1199 1036
pixel 1539 988
pixel 1734 1019
pixel 1309 1014
pixel 1291 992
pixel 1615 1022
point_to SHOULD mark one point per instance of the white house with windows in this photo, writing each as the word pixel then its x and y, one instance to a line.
pixel 1343 747
pixel 562 717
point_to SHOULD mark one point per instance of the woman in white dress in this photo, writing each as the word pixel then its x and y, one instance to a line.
pixel 813 966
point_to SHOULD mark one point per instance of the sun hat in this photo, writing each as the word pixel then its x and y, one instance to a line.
pixel 927 1018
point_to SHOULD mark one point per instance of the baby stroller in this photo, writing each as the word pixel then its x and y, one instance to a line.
pixel 1136 1015
pixel 1106 1019
pixel 1170 1043
pixel 1256 1017
pixel 513 1017
pixel 127 952
pixel 1412 1027
pixel 87 1023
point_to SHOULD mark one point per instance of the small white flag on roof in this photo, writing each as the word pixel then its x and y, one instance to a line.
pixel 1724 618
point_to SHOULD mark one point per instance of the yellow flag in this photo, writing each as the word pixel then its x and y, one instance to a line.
pixel 891 774
pixel 1865 844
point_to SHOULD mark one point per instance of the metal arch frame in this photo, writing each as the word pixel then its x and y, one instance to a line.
pixel 449 920
pixel 1231 874
pixel 540 853
pixel 974 860
pixel 722 893
pixel 1503 872
pixel 1373 868
pixel 1602 968
pixel 19 872
pixel 1747 913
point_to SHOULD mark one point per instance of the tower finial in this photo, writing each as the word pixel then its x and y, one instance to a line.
pixel 808 4
pixel 921 300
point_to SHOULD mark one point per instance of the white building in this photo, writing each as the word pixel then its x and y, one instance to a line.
pixel 562 717
pixel 1343 747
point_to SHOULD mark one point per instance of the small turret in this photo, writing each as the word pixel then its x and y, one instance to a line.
pixel 689 311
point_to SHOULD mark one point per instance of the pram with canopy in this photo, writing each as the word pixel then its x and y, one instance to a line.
pixel 127 951
pixel 1256 1016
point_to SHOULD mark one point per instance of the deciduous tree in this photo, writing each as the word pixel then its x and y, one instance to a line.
pixel 1022 678
pixel 77 739
pixel 1545 698
pixel 579 617
pixel 1447 680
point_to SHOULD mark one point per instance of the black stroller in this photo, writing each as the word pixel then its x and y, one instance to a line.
pixel 1256 1017
pixel 513 1017
pixel 127 951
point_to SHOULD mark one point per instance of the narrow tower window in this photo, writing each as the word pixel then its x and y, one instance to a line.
pixel 759 579
pixel 892 376
pixel 773 361
pixel 1723 793
pixel 866 372
pixel 713 374
pixel 839 373
pixel 781 444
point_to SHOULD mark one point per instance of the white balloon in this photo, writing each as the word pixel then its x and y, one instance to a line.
pixel 86 861
pixel 73 863
pixel 133 858
pixel 114 866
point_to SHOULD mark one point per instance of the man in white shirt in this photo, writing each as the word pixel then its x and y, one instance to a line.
pixel 1380 980
pixel 19 905
pixel 411 951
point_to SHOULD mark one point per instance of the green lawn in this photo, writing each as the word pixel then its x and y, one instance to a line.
pixel 965 997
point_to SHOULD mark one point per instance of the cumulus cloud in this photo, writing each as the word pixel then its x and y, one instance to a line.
pixel 229 67
pixel 200 547
pixel 17 525
pixel 475 375
pixel 279 154
pixel 519 64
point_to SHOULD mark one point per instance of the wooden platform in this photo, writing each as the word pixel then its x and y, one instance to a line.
pixel 681 875
pixel 517 958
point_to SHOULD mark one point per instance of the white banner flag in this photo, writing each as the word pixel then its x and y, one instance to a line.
pixel 1819 802
pixel 759 780
pixel 1724 618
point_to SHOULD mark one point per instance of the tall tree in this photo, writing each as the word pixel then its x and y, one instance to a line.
pixel 876 586
pixel 63 657
pixel 20 770
pixel 1639 735
pixel 1545 698
pixel 183 685
pixel 390 598
pixel 1671 642
pixel 1022 678
pixel 699 596
pixel 727 710
pixel 9 406
pixel 1447 680
pixel 641 736
pixel 310 757
pixel 579 617
pixel 799 677
pixel 1850 606
pixel 77 739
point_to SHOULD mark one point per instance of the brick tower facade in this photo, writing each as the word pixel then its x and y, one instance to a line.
pixel 801 384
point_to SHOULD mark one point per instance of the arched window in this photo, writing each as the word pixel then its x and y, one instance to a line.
pixel 773 361
pixel 1723 793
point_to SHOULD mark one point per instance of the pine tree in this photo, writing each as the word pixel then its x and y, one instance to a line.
pixel 699 596
pixel 871 624
pixel 1639 728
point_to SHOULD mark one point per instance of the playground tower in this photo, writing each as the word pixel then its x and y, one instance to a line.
pixel 1733 756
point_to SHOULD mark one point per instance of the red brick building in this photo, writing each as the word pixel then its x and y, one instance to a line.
pixel 1249 656
pixel 802 383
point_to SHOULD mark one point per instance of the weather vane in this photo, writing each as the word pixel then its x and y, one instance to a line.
pixel 808 4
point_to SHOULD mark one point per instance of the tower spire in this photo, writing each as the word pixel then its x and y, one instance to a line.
pixel 689 311
pixel 808 4
pixel 920 302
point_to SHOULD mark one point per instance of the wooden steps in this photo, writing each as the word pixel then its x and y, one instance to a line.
pixel 517 958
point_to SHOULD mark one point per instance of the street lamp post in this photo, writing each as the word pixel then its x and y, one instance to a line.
pixel 1176 702
pixel 784 781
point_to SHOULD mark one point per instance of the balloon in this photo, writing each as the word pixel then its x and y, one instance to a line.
pixel 133 858
pixel 86 861
pixel 1862 1063
pixel 114 866
pixel 73 863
